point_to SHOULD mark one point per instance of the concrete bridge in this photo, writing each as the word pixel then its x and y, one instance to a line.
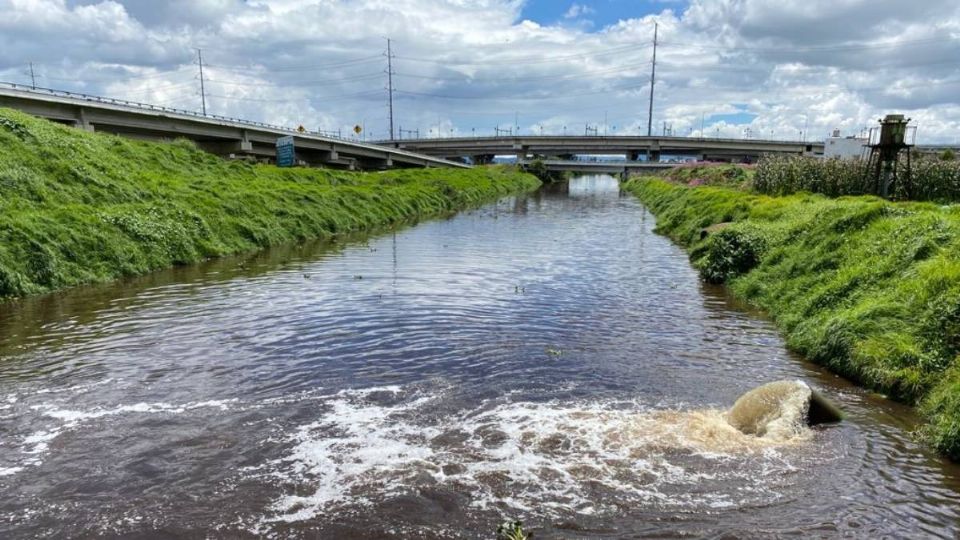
pixel 482 149
pixel 228 137
pixel 622 168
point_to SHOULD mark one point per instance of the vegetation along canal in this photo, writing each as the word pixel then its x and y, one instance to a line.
pixel 547 358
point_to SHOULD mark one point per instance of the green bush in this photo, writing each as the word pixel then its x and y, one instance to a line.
pixel 731 252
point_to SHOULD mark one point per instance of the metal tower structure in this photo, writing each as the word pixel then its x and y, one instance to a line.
pixel 888 142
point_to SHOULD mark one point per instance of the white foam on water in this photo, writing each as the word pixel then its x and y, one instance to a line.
pixel 352 446
pixel 9 471
pixel 75 389
pixel 548 459
pixel 37 444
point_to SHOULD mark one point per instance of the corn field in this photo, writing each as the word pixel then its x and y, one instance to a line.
pixel 931 179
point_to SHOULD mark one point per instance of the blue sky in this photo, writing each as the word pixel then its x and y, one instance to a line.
pixel 592 14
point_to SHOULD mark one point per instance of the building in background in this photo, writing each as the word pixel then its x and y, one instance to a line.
pixel 844 147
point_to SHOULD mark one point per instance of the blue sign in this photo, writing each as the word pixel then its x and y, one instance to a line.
pixel 286 156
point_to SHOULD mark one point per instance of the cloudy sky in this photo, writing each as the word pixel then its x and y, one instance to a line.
pixel 760 68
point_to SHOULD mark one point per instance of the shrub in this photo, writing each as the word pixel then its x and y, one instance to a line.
pixel 731 252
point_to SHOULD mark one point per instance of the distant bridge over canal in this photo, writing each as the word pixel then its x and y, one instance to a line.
pixel 632 148
pixel 604 167
pixel 220 135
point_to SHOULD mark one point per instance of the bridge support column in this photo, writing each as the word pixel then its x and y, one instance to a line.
pixel 482 159
pixel 245 145
pixel 82 121
pixel 653 153
pixel 633 155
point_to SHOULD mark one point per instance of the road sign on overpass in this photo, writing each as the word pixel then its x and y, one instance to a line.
pixel 286 155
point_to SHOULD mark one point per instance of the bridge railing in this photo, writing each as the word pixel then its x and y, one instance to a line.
pixel 158 108
pixel 440 140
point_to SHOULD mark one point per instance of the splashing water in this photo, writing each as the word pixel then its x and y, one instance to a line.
pixel 547 459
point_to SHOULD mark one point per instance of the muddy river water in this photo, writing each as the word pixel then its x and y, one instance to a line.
pixel 547 358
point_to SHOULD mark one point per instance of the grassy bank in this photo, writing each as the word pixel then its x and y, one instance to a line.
pixel 868 288
pixel 77 207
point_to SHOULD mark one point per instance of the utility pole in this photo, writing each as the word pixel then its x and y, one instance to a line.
pixel 390 83
pixel 653 78
pixel 33 78
pixel 203 91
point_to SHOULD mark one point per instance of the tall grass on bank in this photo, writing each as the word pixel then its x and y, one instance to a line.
pixel 712 174
pixel 931 179
pixel 866 287
pixel 77 207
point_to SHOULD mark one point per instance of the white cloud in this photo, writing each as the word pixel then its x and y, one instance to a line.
pixel 578 10
pixel 473 64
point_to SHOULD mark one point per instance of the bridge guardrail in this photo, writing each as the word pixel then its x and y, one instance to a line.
pixel 156 108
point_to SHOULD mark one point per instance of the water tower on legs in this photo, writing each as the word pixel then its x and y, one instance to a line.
pixel 888 142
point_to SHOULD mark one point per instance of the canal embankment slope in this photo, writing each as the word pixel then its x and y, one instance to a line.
pixel 866 287
pixel 79 207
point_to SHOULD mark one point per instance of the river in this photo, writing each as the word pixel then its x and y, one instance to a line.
pixel 547 358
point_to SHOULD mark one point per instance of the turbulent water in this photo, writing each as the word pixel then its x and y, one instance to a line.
pixel 547 358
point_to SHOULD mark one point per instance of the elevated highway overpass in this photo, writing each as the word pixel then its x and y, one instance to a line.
pixel 482 149
pixel 229 137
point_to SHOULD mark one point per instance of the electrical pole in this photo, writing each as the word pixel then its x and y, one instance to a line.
pixel 33 78
pixel 390 83
pixel 203 92
pixel 653 78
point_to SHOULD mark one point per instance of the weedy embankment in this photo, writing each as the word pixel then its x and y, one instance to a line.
pixel 78 207
pixel 866 287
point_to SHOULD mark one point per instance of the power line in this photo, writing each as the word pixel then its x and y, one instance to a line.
pixel 308 98
pixel 539 59
pixel 528 79
pixel 121 79
pixel 523 98
pixel 325 82
pixel 812 48
pixel 259 68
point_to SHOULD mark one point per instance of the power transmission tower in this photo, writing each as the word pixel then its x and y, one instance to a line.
pixel 653 79
pixel 390 83
pixel 203 92
pixel 33 78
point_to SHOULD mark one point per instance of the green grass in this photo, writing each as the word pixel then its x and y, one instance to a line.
pixel 866 287
pixel 78 207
